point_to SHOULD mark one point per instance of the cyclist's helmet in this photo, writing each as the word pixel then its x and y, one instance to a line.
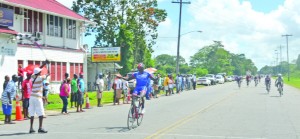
pixel 140 66
pixel 279 75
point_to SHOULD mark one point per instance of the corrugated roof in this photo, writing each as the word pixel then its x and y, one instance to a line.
pixel 51 6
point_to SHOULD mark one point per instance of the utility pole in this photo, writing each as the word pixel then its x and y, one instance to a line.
pixel 179 29
pixel 280 58
pixel 276 65
pixel 287 52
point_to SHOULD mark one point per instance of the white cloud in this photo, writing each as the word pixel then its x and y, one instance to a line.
pixel 240 28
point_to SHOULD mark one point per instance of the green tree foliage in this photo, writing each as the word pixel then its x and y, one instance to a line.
pixel 298 62
pixel 216 59
pixel 129 24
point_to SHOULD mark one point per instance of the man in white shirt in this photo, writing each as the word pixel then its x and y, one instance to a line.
pixel 36 98
pixel 125 91
pixel 100 87
pixel 194 81
pixel 118 83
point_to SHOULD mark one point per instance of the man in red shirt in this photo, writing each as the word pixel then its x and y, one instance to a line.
pixel 20 74
pixel 26 91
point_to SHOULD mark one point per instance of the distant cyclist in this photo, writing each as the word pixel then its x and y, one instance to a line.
pixel 256 80
pixel 268 82
pixel 248 78
pixel 279 81
pixel 141 83
pixel 238 80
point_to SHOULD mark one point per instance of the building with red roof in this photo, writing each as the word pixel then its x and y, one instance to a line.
pixel 32 31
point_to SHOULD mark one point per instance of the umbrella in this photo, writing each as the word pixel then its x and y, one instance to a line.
pixel 118 75
pixel 151 70
pixel 30 68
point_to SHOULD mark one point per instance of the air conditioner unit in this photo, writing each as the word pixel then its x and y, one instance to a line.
pixel 38 35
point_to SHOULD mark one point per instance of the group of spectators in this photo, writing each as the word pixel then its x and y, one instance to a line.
pixel 32 95
pixel 182 82
pixel 34 92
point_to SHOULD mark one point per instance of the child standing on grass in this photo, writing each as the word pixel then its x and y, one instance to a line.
pixel 45 92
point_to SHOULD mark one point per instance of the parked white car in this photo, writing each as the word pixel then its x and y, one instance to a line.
pixel 203 81
pixel 220 79
pixel 229 79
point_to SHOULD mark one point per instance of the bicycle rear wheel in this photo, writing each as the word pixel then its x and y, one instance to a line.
pixel 131 118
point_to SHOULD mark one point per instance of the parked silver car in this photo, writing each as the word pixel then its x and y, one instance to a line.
pixel 203 81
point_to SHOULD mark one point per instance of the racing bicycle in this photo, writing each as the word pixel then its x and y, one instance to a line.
pixel 135 112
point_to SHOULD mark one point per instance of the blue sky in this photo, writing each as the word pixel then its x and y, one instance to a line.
pixel 252 27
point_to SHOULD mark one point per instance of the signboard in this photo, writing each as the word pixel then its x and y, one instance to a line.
pixel 6 17
pixel 106 54
pixel 9 51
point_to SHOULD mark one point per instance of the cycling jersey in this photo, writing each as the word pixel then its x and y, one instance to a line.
pixel 142 81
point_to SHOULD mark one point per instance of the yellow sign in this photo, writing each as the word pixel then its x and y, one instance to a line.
pixel 106 54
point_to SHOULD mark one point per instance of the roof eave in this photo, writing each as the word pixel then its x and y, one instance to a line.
pixel 47 12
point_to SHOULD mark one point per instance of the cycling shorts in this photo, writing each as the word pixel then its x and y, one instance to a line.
pixel 140 90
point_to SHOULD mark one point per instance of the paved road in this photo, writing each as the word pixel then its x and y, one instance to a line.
pixel 222 111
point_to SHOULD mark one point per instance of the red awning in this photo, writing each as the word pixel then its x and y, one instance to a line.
pixel 51 6
pixel 7 31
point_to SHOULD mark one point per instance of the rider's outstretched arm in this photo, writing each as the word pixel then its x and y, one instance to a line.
pixel 128 78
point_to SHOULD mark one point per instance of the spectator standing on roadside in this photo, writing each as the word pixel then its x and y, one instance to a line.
pixel 81 92
pixel 26 91
pixel 100 88
pixel 45 92
pixel 166 85
pixel 178 83
pixel 125 91
pixel 118 84
pixel 36 98
pixel 7 97
pixel 109 81
pixel 64 94
pixel 74 91
pixel 194 81
pixel 159 83
pixel 183 83
pixel 170 84
pixel 6 80
pixel 156 87
pixel 20 74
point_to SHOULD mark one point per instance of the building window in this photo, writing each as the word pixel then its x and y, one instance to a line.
pixel 57 71
pixel 75 68
pixel 54 26
pixel 33 21
pixel 71 29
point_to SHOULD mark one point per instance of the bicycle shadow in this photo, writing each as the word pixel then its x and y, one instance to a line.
pixel 118 129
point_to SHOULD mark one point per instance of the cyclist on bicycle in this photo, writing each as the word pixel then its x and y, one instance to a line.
pixel 279 80
pixel 268 81
pixel 238 79
pixel 248 77
pixel 141 83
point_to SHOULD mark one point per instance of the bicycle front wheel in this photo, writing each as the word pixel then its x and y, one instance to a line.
pixel 131 118
pixel 140 115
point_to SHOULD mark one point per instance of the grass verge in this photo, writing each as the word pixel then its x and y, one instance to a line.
pixel 55 102
pixel 295 82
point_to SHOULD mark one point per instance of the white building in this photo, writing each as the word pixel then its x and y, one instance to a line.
pixel 58 29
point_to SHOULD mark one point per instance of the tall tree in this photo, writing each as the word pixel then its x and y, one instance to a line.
pixel 131 24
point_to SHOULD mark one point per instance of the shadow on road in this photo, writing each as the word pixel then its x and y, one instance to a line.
pixel 119 129
pixel 275 96
pixel 13 134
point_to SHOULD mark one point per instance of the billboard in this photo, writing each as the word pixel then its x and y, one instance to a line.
pixel 106 54
pixel 6 17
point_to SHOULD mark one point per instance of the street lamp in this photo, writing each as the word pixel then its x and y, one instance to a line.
pixel 178 46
